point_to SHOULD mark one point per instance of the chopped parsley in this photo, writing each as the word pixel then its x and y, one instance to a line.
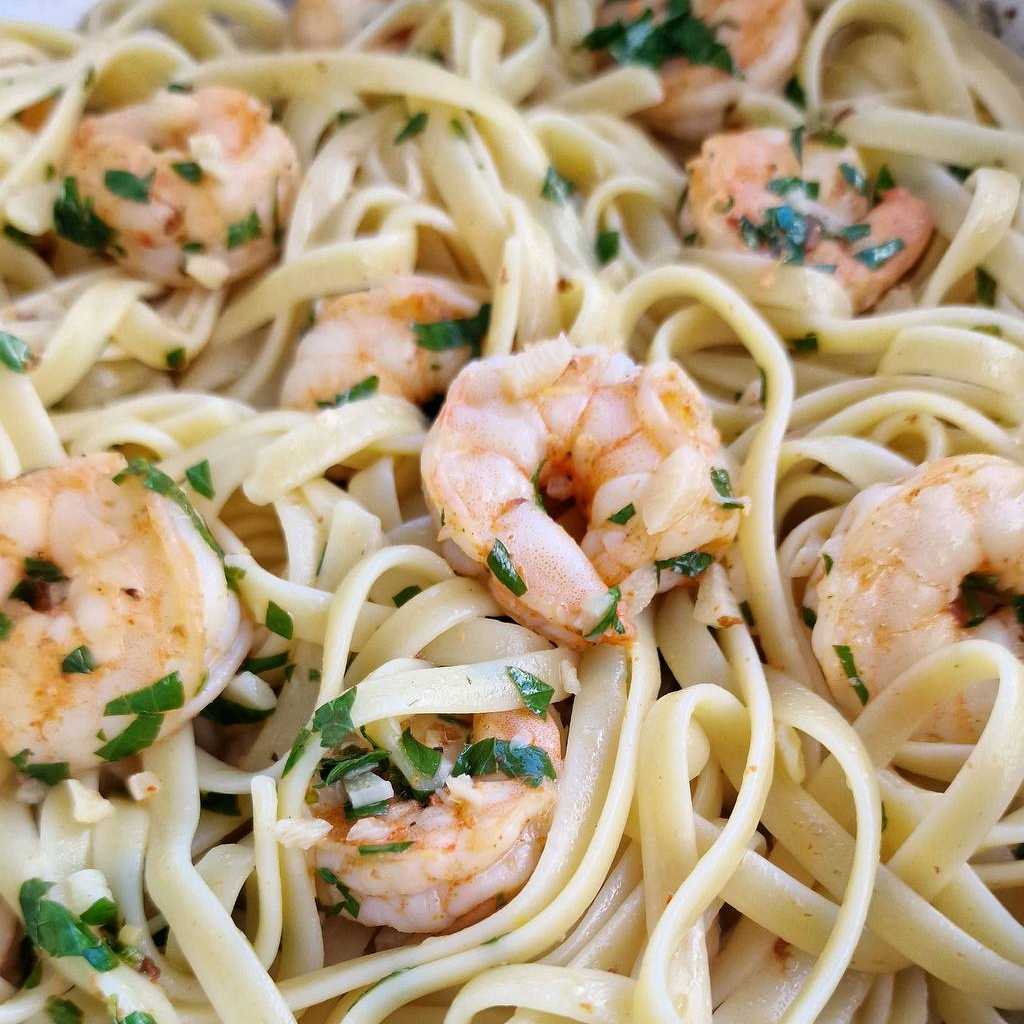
pixel 624 515
pixel 876 256
pixel 845 656
pixel 129 186
pixel 354 764
pixel 371 849
pixel 535 693
pixel 159 482
pixel 19 237
pixel 200 478
pixel 278 621
pixel 679 34
pixel 784 231
pixel 443 335
pixel 101 913
pixel 189 170
pixel 347 901
pixel 810 617
pixel 607 246
pixel 855 232
pixel 50 772
pixel 406 594
pixel 267 664
pixel 808 343
pixel 14 353
pixel 723 488
pixel 984 287
pixel 148 705
pixel 412 127
pixel 783 186
pixel 78 662
pixel 175 358
pixel 610 619
pixel 224 711
pixel 458 128
pixel 6 625
pixel 517 761
pixel 41 569
pixel 885 182
pixel 556 189
pixel 63 1011
pixel 854 177
pixel 333 720
pixel 364 389
pixel 690 564
pixel 246 230
pixel 499 561
pixel 827 559
pixel 794 92
pixel 54 929
pixel 301 739
pixel 423 759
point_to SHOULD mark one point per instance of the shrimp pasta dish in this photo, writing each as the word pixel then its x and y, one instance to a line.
pixel 511 510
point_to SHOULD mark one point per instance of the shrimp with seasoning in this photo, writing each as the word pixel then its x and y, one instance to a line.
pixel 915 566
pixel 807 199
pixel 625 456
pixel 435 867
pixel 375 341
pixel 187 186
pixel 109 588
pixel 706 50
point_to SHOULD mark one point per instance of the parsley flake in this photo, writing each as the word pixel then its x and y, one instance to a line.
pixel 79 662
pixel 412 127
pixel 499 561
pixel 200 478
pixel 14 353
pixel 535 693
pixel 443 335
pixel 364 389
pixel 845 656
pixel 129 186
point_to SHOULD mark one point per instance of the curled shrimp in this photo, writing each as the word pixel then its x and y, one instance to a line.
pixel 750 42
pixel 433 867
pixel 318 24
pixel 184 177
pixel 808 199
pixel 108 588
pixel 626 458
pixel 915 566
pixel 369 340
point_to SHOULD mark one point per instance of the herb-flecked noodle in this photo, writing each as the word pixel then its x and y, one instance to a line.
pixel 354 669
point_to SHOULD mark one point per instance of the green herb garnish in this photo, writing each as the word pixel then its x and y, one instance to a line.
pixel 624 515
pixel 50 772
pixel 364 389
pixel 246 230
pixel 845 657
pixel 556 189
pixel 535 693
pixel 442 335
pixel 14 353
pixel 78 662
pixel 607 246
pixel 499 561
pixel 610 619
pixel 877 255
pixel 189 170
pixel 412 127
pixel 200 478
pixel 723 488
pixel 424 759
pixel 406 594
pixel 278 621
pixel 129 186
pixel 55 930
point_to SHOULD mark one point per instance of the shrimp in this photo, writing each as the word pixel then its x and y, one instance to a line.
pixel 319 24
pixel 456 859
pixel 757 40
pixel 184 178
pixel 754 190
pixel 108 588
pixel 915 566
pixel 371 337
pixel 633 447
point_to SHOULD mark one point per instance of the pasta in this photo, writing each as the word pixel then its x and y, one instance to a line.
pixel 509 510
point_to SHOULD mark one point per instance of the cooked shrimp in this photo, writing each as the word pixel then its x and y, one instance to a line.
pixel 473 845
pixel 183 178
pixel 916 566
pixel 633 447
pixel 108 589
pixel 370 335
pixel 761 40
pixel 319 24
pixel 751 190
